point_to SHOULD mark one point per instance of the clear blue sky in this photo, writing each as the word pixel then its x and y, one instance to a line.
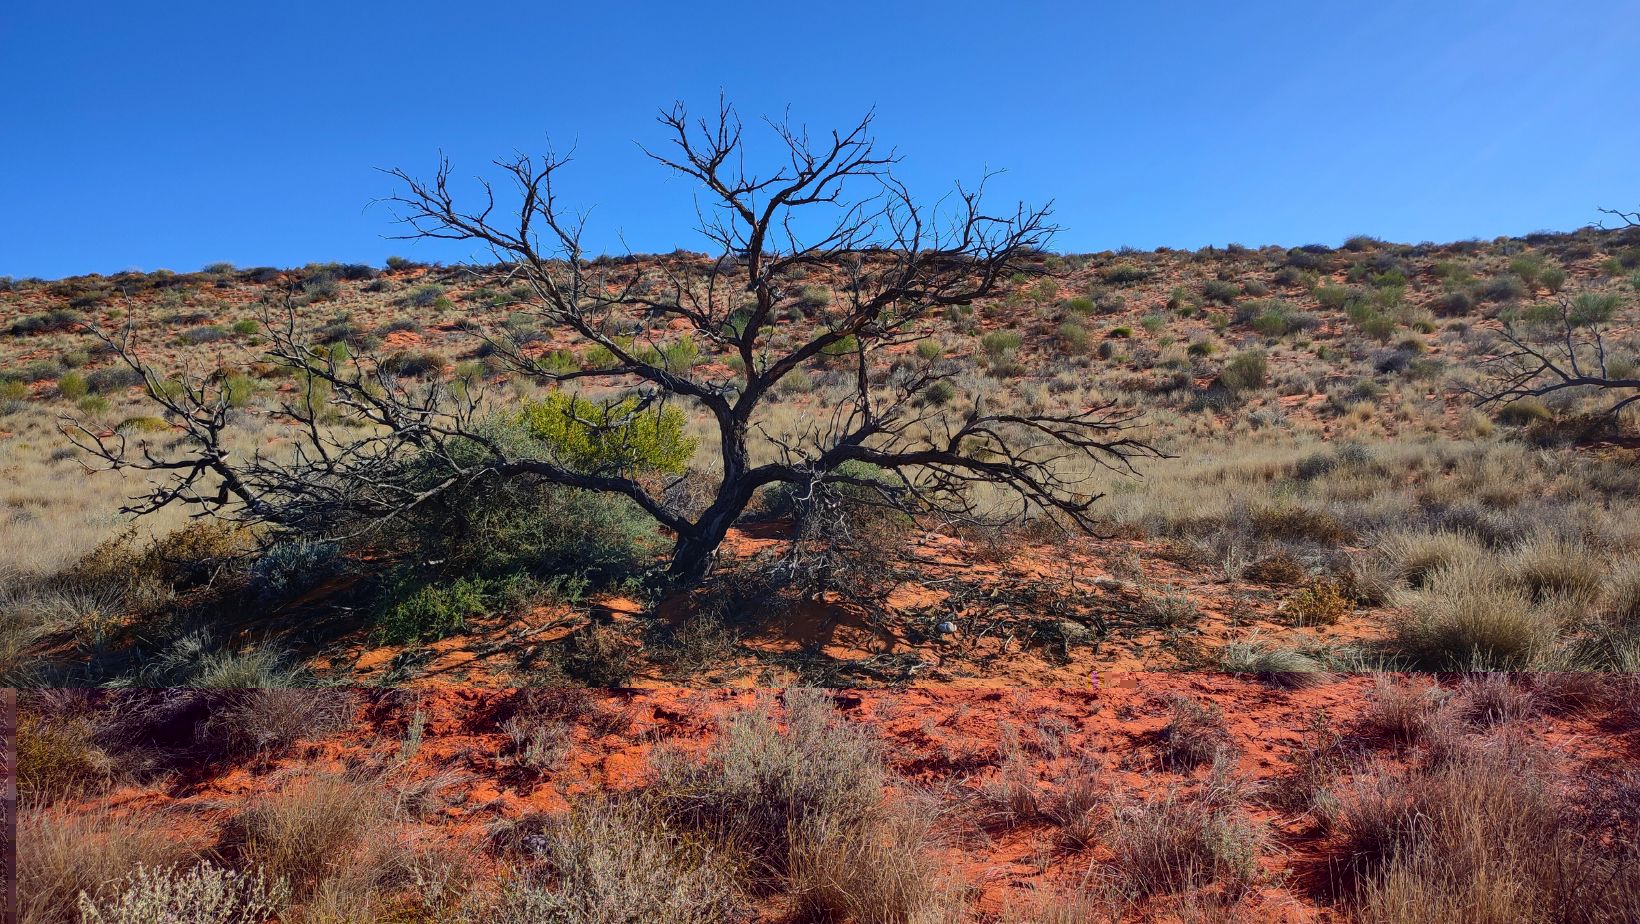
pixel 149 135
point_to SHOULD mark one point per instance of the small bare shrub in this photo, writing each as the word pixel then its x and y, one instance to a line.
pixel 1401 710
pixel 1196 735
pixel 611 864
pixel 1170 844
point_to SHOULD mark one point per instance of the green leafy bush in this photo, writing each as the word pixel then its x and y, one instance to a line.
pixel 1245 371
pixel 72 386
pixel 1125 274
pixel 1593 308
pixel 1000 343
pixel 623 436
pixel 1220 290
pixel 415 611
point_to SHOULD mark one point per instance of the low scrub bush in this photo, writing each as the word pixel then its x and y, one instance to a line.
pixel 56 753
pixel 1169 844
pixel 613 864
pixel 762 786
pixel 205 894
pixel 1319 603
pixel 1196 734
pixel 1244 372
pixel 58 319
pixel 292 567
pixel 1483 838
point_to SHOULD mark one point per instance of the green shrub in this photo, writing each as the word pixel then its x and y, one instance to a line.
pixel 1528 266
pixel 417 611
pixel 1333 296
pixel 1524 412
pixel 424 296
pixel 811 298
pixel 58 319
pixel 1454 305
pixel 1503 289
pixel 1220 290
pixel 999 343
pixel 1073 336
pixel 1123 274
pixel 1081 305
pixel 208 333
pixel 609 437
pixel 112 379
pixel 1273 320
pixel 1245 371
pixel 1593 308
pixel 72 386
pixel 940 393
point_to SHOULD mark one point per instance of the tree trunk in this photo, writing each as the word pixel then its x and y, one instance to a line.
pixel 691 560
pixel 692 553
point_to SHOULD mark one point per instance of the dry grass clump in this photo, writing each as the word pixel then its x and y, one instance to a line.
pixel 1402 709
pixel 56 752
pixel 205 894
pixel 801 808
pixel 1412 557
pixel 609 863
pixel 1471 617
pixel 877 873
pixel 1280 667
pixel 1494 699
pixel 1623 597
pixel 1170 843
pixel 314 828
pixel 1195 735
pixel 62 855
pixel 1548 566
pixel 1488 838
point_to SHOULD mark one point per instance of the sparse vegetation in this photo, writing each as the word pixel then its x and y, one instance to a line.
pixel 870 806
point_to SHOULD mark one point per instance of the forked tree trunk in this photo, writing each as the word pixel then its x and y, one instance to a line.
pixel 693 551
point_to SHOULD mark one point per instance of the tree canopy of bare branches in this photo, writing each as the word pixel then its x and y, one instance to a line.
pixel 827 207
pixel 1559 350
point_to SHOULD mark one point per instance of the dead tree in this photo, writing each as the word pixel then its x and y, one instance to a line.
pixel 1563 348
pixel 829 208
